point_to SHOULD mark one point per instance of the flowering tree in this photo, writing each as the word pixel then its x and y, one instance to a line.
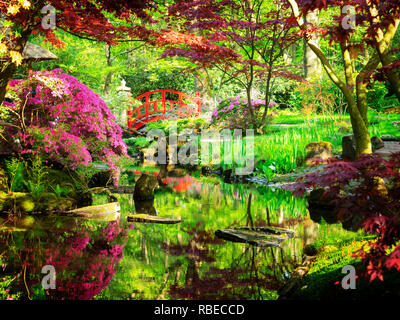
pixel 56 116
pixel 245 40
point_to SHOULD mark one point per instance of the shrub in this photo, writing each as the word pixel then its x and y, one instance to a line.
pixel 57 117
pixel 377 98
pixel 365 193
pixel 234 113
pixel 181 124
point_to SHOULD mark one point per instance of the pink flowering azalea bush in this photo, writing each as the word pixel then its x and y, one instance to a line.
pixel 234 113
pixel 56 116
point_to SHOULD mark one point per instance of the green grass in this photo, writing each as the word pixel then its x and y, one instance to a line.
pixel 283 148
pixel 295 117
pixel 323 281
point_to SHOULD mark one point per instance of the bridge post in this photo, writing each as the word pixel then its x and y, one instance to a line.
pixel 164 98
pixel 198 102
pixel 147 105
pixel 180 104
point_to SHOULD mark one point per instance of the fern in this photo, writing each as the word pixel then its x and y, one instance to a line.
pixel 15 170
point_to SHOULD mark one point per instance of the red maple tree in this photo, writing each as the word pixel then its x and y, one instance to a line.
pixel 363 194
pixel 366 48
pixel 106 20
pixel 245 40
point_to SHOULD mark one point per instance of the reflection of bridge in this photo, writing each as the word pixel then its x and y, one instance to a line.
pixel 183 106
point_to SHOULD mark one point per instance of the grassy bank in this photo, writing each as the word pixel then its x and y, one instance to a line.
pixel 282 147
pixel 323 281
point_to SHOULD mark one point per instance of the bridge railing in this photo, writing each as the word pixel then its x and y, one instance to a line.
pixel 163 109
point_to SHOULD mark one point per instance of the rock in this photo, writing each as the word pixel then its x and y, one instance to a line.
pixel 321 208
pixel 145 207
pixel 20 201
pixel 177 172
pixel 144 188
pixel 389 137
pixel 260 237
pixel 122 189
pixel 390 148
pixel 392 110
pixel 102 190
pixel 318 150
pixel 208 171
pixel 229 176
pixel 349 148
pixel 377 143
pixel 396 124
pixel 84 199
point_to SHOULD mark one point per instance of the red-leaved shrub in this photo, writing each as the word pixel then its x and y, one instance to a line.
pixel 366 192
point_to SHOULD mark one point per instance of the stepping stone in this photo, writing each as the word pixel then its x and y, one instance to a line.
pixel 389 148
pixel 146 218
pixel 260 237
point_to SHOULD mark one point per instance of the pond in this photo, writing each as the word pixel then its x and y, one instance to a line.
pixel 121 260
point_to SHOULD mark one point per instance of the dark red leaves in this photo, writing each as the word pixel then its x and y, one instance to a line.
pixel 369 189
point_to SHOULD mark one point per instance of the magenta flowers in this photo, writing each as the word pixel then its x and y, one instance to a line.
pixel 64 121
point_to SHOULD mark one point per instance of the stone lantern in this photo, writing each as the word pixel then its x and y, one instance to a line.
pixel 35 53
pixel 125 93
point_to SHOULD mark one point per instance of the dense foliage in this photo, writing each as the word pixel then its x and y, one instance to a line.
pixel 54 115
pixel 365 194
pixel 234 113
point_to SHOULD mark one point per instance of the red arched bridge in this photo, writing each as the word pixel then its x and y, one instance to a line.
pixel 167 105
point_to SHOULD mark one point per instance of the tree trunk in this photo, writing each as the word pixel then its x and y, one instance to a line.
pixel 5 76
pixel 289 55
pixel 312 65
pixel 357 109
pixel 384 42
pixel 107 83
pixel 7 71
pixel 203 84
pixel 360 129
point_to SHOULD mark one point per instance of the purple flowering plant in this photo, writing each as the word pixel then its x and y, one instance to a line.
pixel 59 118
pixel 234 113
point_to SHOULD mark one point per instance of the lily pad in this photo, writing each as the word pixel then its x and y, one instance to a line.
pixel 146 218
pixel 260 237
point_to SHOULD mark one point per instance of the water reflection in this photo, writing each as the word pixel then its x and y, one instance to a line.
pixel 158 261
pixel 84 255
pixel 187 261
